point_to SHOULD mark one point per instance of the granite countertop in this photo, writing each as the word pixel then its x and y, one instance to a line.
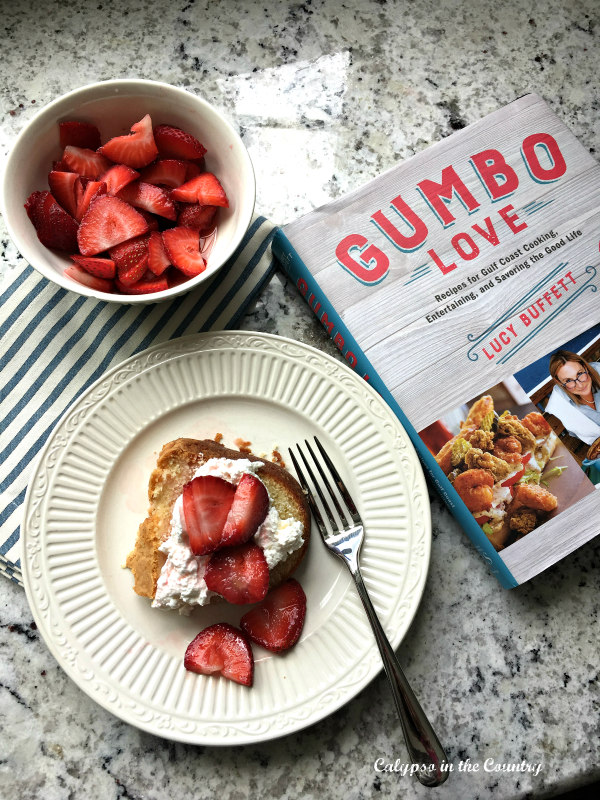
pixel 327 95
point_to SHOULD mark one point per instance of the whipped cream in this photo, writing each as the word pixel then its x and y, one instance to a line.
pixel 181 583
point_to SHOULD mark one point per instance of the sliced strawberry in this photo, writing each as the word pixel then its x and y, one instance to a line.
pixel 90 191
pixel 109 221
pixel 100 267
pixel 54 227
pixel 174 143
pixel 66 189
pixel 147 284
pixel 151 219
pixel 117 177
pixel 277 622
pixel 131 259
pixel 183 249
pixel 158 260
pixel 130 251
pixel 149 197
pixel 83 277
pixel 205 189
pixel 198 218
pixel 223 650
pixel 239 574
pixel 85 162
pixel 248 511
pixel 193 169
pixel 79 134
pixel 165 172
pixel 136 149
pixel 206 503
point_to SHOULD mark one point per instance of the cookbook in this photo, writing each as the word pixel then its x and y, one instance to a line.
pixel 463 285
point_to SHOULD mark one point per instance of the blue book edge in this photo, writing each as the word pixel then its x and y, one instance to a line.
pixel 295 268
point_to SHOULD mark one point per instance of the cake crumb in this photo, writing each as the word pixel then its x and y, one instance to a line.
pixel 218 438
pixel 243 446
pixel 277 458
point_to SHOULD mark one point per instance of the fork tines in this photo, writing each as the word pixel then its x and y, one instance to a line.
pixel 344 495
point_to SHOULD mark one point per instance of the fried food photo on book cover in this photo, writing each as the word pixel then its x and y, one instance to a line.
pixel 528 448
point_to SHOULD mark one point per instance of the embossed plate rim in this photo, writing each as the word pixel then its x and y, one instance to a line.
pixel 40 591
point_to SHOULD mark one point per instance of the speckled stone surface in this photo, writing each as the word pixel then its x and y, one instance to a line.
pixel 326 95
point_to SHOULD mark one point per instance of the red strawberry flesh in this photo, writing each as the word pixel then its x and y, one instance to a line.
pixel 248 511
pixel 276 624
pixel 239 574
pixel 54 227
pixel 117 177
pixel 92 281
pixel 79 134
pixel 198 218
pixel 158 260
pixel 206 503
pixel 147 284
pixel 136 149
pixel 85 162
pixel 183 249
pixel 90 191
pixel 174 143
pixel 223 650
pixel 100 267
pixel 149 197
pixel 108 221
pixel 205 189
pixel 66 189
pixel 166 172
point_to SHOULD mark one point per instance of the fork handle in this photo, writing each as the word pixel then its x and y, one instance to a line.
pixel 422 743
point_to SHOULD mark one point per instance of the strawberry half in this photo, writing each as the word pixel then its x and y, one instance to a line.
pixel 276 624
pixel 147 284
pixel 239 574
pixel 131 259
pixel 66 189
pixel 136 149
pixel 206 503
pixel 183 249
pixel 223 650
pixel 117 177
pixel 166 172
pixel 248 511
pixel 205 189
pixel 90 191
pixel 194 169
pixel 100 267
pixel 158 260
pixel 198 218
pixel 84 162
pixel 79 134
pixel 109 221
pixel 174 143
pixel 150 198
pixel 151 220
pixel 54 227
pixel 84 277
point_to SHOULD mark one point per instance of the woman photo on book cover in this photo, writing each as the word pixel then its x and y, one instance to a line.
pixel 575 397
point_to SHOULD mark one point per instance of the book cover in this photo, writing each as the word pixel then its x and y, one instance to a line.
pixel 463 284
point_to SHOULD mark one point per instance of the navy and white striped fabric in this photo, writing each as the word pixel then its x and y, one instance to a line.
pixel 55 343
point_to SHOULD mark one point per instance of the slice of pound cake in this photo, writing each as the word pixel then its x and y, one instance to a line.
pixel 196 509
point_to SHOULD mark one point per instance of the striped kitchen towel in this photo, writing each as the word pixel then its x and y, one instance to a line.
pixel 55 343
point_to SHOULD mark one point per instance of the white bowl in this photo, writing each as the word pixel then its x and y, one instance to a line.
pixel 113 106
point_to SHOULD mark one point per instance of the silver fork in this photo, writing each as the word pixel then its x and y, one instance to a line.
pixel 422 743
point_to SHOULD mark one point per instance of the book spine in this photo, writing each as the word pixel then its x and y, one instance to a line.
pixel 304 281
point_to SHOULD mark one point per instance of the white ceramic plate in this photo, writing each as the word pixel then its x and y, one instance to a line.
pixel 88 495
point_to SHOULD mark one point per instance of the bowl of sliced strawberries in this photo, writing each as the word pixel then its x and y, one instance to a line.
pixel 130 191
